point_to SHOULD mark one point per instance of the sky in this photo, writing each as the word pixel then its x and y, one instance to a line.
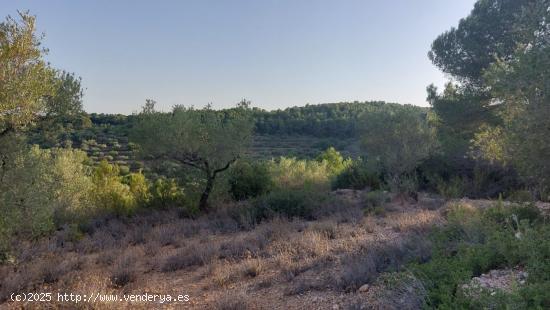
pixel 275 53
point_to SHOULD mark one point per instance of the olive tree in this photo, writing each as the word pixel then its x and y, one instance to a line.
pixel 42 190
pixel 25 78
pixel 204 139
pixel 25 81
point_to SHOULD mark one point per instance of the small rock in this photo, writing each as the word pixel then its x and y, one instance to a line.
pixel 364 288
pixel 335 307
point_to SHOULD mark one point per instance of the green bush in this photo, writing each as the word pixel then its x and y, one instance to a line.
pixel 453 188
pixel 165 193
pixel 375 200
pixel 289 203
pixel 41 190
pixel 334 161
pixel 136 165
pixel 111 195
pixel 358 175
pixel 124 170
pixel 249 180
pixel 475 241
pixel 292 173
pixel 139 187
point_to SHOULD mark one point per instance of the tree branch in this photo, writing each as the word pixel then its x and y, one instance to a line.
pixel 225 167
pixel 193 160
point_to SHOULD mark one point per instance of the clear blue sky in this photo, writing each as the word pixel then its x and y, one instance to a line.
pixel 275 53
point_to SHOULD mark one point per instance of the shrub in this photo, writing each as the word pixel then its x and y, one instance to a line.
pixel 454 188
pixel 476 241
pixel 165 193
pixel 123 272
pixel 402 290
pixel 136 165
pixel 292 173
pixel 375 199
pixel 399 141
pixel 51 270
pixel 252 268
pixel 249 180
pixel 290 203
pixel 364 267
pixel 197 255
pixel 111 195
pixel 139 187
pixel 358 175
pixel 42 189
pixel 124 170
pixel 334 161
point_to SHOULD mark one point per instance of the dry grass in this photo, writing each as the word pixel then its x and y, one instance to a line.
pixel 327 228
pixel 252 268
pixel 209 256
pixel 232 301
pixel 125 270
pixel 195 254
pixel 222 274
pixel 417 221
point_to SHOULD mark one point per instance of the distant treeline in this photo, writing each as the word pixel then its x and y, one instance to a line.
pixel 342 119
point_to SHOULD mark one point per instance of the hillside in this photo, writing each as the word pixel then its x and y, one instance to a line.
pixel 301 132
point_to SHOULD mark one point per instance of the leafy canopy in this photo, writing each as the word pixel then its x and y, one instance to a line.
pixel 25 78
pixel 205 139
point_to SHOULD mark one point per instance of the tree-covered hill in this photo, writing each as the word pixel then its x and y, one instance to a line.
pixel 321 120
pixel 297 131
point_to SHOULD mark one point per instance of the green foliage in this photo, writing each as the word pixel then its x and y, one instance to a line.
pixel 499 54
pixel 453 188
pixel 139 187
pixel 334 160
pixel 206 140
pixel 375 200
pixel 289 203
pixel 124 170
pixel 399 141
pixel 457 114
pixel 249 180
pixel 493 30
pixel 41 190
pixel 25 78
pixel 476 241
pixel 165 193
pixel 292 173
pixel 66 100
pixel 358 175
pixel 111 194
pixel 522 139
pixel 324 120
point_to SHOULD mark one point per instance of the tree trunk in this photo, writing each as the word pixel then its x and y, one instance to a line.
pixel 203 203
